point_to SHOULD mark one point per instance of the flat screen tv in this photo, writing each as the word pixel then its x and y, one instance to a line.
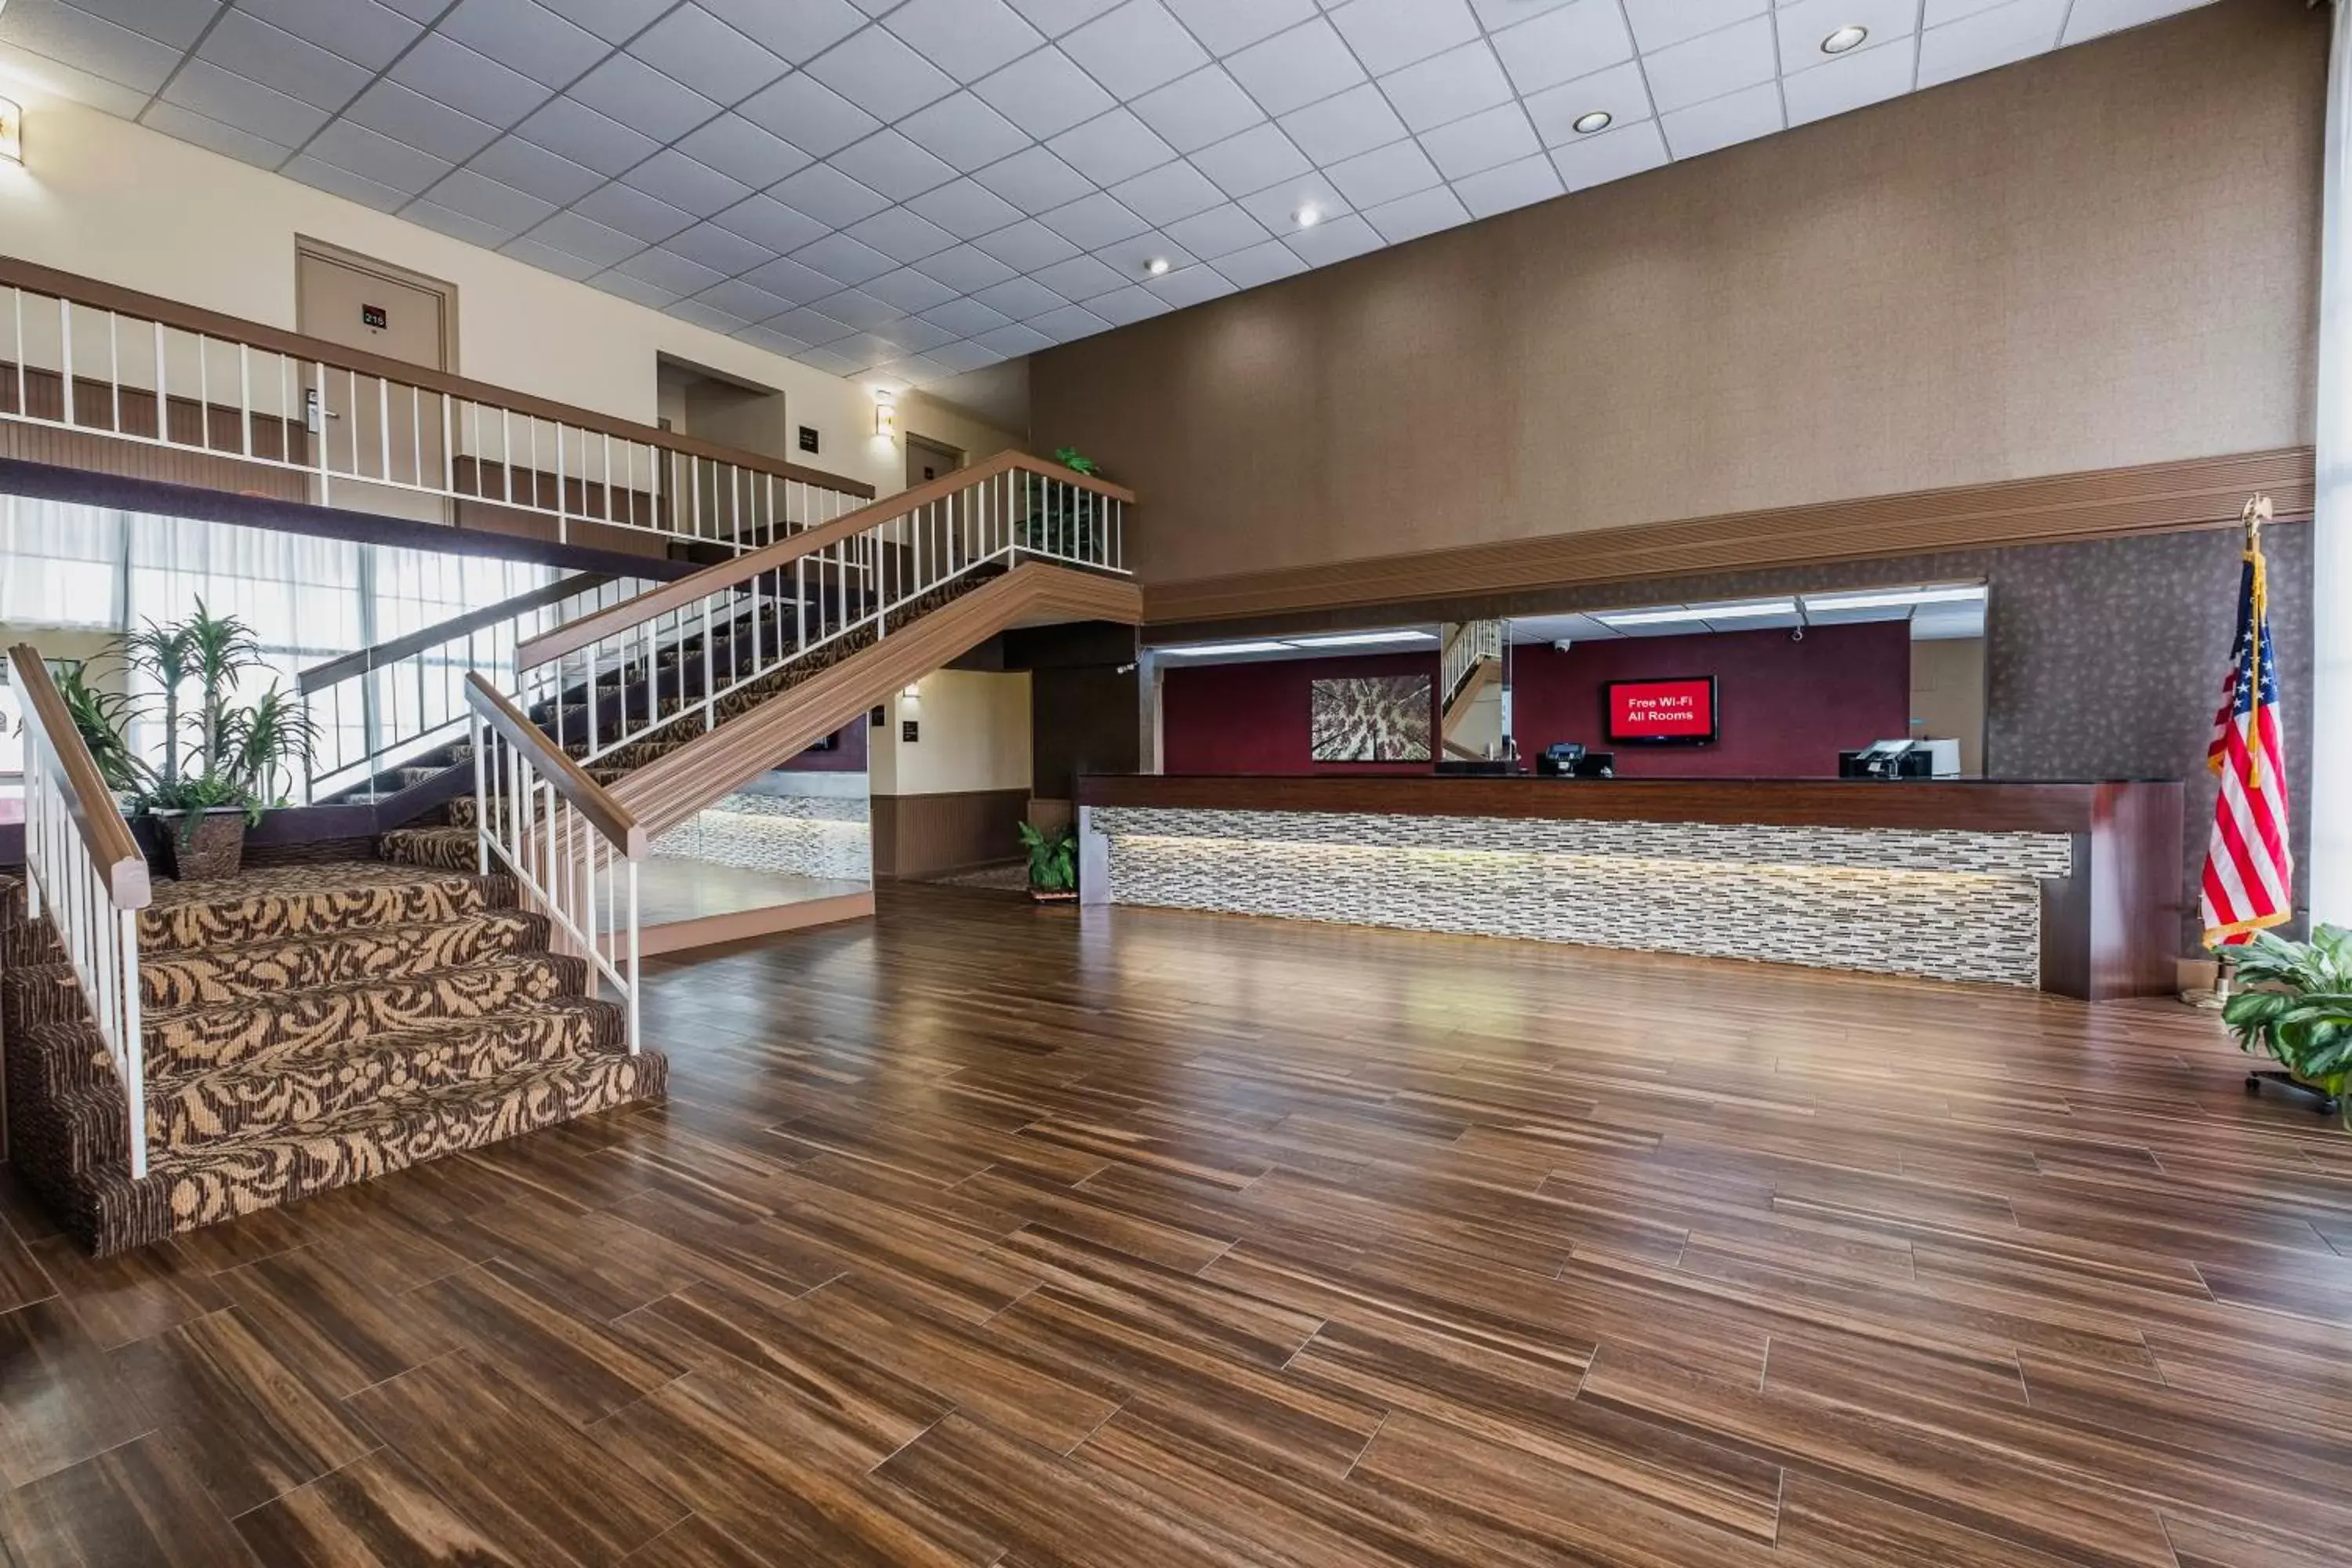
pixel 1668 713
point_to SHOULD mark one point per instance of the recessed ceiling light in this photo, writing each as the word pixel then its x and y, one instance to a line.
pixel 1586 124
pixel 1156 266
pixel 1308 215
pixel 1849 36
pixel 1887 598
pixel 1700 613
pixel 1361 640
pixel 1212 649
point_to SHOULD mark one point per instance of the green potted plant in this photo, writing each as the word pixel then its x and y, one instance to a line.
pixel 223 762
pixel 1053 863
pixel 1065 520
pixel 2293 1000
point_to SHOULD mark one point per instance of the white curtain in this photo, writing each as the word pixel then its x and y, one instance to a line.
pixel 59 564
pixel 2330 872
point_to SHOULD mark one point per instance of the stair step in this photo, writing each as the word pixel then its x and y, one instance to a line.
pixel 264 1024
pixel 443 848
pixel 310 901
pixel 223 977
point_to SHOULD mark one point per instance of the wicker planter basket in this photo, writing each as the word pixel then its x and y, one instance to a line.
pixel 212 853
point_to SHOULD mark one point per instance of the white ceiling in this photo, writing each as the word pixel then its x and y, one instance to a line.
pixel 1932 621
pixel 906 190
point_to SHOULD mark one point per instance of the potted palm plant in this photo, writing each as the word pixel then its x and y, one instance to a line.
pixel 1065 520
pixel 1053 863
pixel 2293 1000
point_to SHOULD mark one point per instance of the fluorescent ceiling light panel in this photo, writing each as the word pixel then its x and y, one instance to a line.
pixel 1207 649
pixel 1699 613
pixel 1360 639
pixel 1892 596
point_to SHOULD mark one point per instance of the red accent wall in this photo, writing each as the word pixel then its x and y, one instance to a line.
pixel 1785 708
pixel 1252 717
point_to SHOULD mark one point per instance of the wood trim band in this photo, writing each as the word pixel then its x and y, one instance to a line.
pixel 667 938
pixel 2197 493
pixel 121 866
pixel 31 276
pixel 335 671
pixel 676 595
pixel 588 797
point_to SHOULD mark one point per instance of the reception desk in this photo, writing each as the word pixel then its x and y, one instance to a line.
pixel 2073 888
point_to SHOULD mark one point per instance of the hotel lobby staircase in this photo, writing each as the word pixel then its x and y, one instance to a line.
pixel 1470 664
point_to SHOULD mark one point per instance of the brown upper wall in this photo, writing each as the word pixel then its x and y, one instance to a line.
pixel 2105 256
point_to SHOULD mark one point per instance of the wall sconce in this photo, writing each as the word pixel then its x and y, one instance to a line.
pixel 886 414
pixel 11 132
pixel 912 689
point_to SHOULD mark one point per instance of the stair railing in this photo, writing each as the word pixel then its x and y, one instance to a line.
pixel 671 656
pixel 572 848
pixel 1472 644
pixel 313 421
pixel 88 876
pixel 384 706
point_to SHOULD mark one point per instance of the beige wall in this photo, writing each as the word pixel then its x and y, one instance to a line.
pixel 1947 695
pixel 2105 256
pixel 975 726
pixel 111 200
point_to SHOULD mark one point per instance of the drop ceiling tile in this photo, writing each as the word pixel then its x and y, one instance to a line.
pixel 1013 341
pixel 228 140
pixel 1619 92
pixel 1055 17
pixel 1501 135
pixel 901 236
pixel 912 334
pixel 1035 180
pixel 396 165
pixel 1294 69
pixel 1724 121
pixel 1091 222
pixel 178 23
pixel 808 114
pixel 88 43
pixel 1112 148
pixel 966 209
pixel 1804 24
pixel 1939 12
pixel 1080 278
pixel 765 220
pixel 1660 23
pixel 361 31
pixel 1134 48
pixel 1567 42
pixel 966 317
pixel 1128 304
pixel 798 31
pixel 501 206
pixel 1382 175
pixel 1044 94
pixel 355 187
pixel 1192 112
pixel 526 37
pixel 1218 232
pixel 963 132
pixel 1988 40
pixel 2091 18
pixel 1226 25
pixel 547 258
pixel 888 163
pixel 911 290
pixel 594 140
pixel 1277 206
pixel 245 104
pixel 1510 186
pixel 1388 34
pixel 696 188
pixel 1069 324
pixel 1132 256
pixel 455 224
pixel 789 279
pixel 1260 264
pixel 1612 155
pixel 965 39
pixel 761 336
pixel 703 314
pixel 875 70
pixel 636 290
pixel 1423 212
pixel 693 46
pixel 1343 125
pixel 1447 86
pixel 527 166
pixel 1169 193
pixel 958 357
pixel 259 52
pixel 612 20
pixel 631 91
pixel 84 88
pixel 838 256
pixel 748 300
pixel 1193 284
pixel 1020 297
pixel 743 151
pixel 1866 75
pixel 633 212
pixel 830 362
pixel 675 274
pixel 473 84
pixel 593 241
pixel 811 326
pixel 1258 157
pixel 1026 246
pixel 721 249
pixel 966 268
pixel 1335 240
pixel 828 196
pixel 1741 56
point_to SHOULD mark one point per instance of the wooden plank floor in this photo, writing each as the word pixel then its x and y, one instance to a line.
pixel 986 1235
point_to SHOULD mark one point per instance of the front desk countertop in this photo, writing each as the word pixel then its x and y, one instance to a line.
pixel 2074 887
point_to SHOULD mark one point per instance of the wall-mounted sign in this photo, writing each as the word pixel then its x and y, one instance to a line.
pixel 375 317
pixel 808 437
pixel 876 718
pixel 911 730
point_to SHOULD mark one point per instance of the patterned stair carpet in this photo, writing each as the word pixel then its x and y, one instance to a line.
pixel 304 1027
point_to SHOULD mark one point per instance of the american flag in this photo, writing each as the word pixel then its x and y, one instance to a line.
pixel 2248 873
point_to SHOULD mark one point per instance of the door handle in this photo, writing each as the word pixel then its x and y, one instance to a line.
pixel 315 412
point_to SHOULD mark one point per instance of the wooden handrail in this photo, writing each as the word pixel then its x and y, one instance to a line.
pixel 15 271
pixel 586 796
pixel 710 580
pixel 343 666
pixel 120 865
